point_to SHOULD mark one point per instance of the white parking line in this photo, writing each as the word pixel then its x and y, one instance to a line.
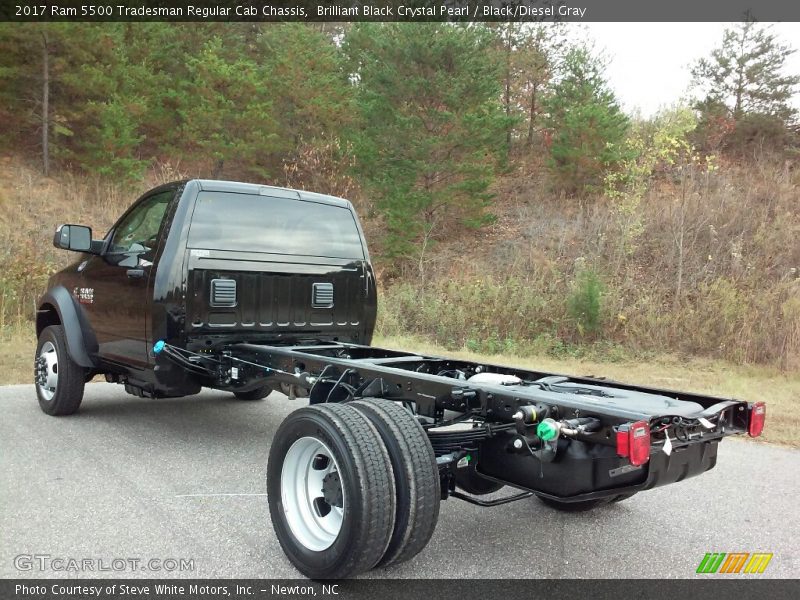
pixel 212 495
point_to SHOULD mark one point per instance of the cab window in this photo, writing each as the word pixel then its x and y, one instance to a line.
pixel 138 230
pixel 254 223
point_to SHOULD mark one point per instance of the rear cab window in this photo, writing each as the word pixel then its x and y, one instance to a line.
pixel 255 223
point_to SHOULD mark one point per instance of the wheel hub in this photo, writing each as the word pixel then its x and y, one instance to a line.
pixel 47 371
pixel 312 494
pixel 40 370
pixel 332 490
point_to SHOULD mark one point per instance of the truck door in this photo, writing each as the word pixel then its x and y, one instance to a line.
pixel 118 282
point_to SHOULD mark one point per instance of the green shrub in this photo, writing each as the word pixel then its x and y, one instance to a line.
pixel 585 303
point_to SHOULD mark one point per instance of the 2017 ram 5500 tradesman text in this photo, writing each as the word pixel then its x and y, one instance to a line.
pixel 251 289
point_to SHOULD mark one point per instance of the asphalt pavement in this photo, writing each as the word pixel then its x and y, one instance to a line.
pixel 136 480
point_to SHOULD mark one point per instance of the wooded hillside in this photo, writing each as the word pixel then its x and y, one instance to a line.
pixel 510 203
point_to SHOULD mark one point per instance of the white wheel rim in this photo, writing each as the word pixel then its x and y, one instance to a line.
pixel 314 522
pixel 47 371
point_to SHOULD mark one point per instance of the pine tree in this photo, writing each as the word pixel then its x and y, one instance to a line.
pixel 307 83
pixel 745 77
pixel 33 62
pixel 746 73
pixel 586 124
pixel 538 51
pixel 74 97
pixel 227 111
pixel 431 128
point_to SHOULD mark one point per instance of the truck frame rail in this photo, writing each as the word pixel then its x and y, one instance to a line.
pixel 564 437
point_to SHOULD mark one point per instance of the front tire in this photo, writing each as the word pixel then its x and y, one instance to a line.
pixel 59 380
pixel 331 491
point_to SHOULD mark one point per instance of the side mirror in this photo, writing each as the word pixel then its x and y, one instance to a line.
pixel 73 237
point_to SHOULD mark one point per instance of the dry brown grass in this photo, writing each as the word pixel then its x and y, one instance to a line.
pixel 31 206
pixel 711 267
pixel 17 347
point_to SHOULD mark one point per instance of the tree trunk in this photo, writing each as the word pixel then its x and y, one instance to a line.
pixel 507 95
pixel 679 283
pixel 532 118
pixel 679 242
pixel 739 92
pixel 216 172
pixel 45 105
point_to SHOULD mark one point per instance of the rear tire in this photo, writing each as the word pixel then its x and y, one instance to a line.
pixel 256 394
pixel 331 491
pixel 416 477
pixel 59 380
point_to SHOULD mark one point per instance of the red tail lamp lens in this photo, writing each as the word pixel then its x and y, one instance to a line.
pixel 639 443
pixel 622 440
pixel 757 416
pixel 633 441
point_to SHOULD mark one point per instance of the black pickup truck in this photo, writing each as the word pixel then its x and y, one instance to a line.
pixel 253 289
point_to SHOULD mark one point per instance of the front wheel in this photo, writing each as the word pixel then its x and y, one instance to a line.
pixel 59 380
pixel 331 491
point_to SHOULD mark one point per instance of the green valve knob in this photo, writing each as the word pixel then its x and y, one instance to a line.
pixel 547 430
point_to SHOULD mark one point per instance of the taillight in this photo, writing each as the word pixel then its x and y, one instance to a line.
pixel 757 416
pixel 633 441
pixel 622 440
pixel 639 443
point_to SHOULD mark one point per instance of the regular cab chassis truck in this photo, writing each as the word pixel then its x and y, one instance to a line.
pixel 252 289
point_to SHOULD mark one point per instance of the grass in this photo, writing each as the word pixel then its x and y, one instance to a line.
pixel 780 391
pixel 17 347
pixel 31 206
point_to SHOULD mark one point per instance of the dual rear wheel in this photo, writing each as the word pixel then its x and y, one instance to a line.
pixel 351 487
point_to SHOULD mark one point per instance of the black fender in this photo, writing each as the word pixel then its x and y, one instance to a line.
pixel 81 340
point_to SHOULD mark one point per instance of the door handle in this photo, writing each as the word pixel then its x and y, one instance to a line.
pixel 135 273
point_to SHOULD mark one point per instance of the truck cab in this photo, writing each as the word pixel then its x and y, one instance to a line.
pixel 198 263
